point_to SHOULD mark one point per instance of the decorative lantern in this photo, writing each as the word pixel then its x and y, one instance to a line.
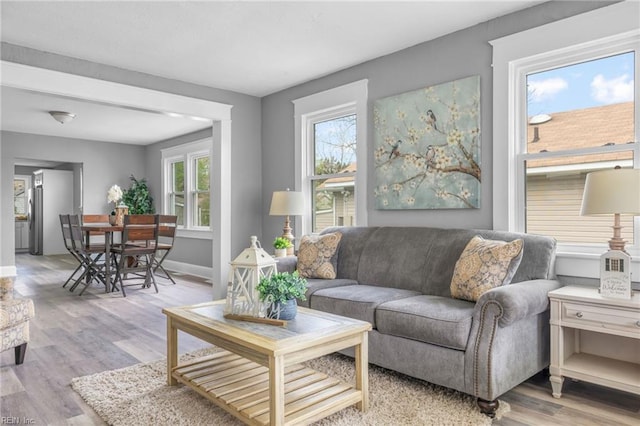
pixel 246 271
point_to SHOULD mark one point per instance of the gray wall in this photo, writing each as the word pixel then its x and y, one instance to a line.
pixel 457 55
pixel 245 151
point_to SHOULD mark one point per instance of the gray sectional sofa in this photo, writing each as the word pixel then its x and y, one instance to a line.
pixel 398 279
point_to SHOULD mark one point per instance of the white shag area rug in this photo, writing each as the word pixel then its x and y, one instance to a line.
pixel 139 395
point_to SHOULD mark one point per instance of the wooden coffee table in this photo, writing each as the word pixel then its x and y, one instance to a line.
pixel 258 377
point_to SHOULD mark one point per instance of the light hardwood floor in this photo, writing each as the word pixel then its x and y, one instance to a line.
pixel 74 335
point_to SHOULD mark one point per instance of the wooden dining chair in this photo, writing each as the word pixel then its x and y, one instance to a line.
pixel 166 239
pixel 95 237
pixel 136 251
pixel 65 225
pixel 92 259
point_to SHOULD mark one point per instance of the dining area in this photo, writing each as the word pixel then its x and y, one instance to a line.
pixel 119 254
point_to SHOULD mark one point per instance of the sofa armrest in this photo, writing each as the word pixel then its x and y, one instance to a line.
pixel 509 338
pixel 287 264
pixel 519 300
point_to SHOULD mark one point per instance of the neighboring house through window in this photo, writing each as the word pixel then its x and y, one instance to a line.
pixel 187 183
pixel 564 106
pixel 330 130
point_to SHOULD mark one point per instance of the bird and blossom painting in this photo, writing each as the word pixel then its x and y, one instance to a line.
pixel 427 147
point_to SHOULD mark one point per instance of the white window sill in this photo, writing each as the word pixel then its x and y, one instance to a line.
pixel 194 233
pixel 587 265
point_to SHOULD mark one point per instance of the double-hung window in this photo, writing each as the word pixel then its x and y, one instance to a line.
pixel 331 156
pixel 580 119
pixel 565 104
pixel 332 176
pixel 187 184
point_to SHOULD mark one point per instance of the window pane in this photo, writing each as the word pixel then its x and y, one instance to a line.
pixel 177 176
pixel 202 210
pixel 20 198
pixel 585 105
pixel 177 207
pixel 202 174
pixel 553 208
pixel 334 145
pixel 333 203
pixel 581 106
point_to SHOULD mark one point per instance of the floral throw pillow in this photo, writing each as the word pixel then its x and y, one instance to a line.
pixel 315 253
pixel 483 265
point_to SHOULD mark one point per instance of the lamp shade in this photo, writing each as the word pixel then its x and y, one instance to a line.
pixel 287 203
pixel 612 191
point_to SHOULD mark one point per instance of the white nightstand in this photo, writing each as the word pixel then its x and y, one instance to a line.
pixel 594 339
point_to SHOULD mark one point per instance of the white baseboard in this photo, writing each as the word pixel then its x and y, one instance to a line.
pixel 8 271
pixel 187 268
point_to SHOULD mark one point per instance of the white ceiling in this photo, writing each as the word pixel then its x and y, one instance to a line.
pixel 256 48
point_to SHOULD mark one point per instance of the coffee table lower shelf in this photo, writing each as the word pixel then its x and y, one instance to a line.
pixel 241 387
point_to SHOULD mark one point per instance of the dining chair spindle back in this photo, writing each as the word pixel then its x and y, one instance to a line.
pixel 137 250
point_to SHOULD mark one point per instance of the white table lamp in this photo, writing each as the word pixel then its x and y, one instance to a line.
pixel 612 191
pixel 287 203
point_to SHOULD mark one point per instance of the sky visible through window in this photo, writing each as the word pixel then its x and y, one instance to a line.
pixel 598 82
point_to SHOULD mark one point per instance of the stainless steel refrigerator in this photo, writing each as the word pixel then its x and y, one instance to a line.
pixel 51 195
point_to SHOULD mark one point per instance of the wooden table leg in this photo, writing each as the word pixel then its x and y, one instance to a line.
pixel 362 371
pixel 276 391
pixel 172 351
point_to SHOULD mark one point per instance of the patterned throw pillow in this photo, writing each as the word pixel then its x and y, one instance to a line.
pixel 315 253
pixel 483 265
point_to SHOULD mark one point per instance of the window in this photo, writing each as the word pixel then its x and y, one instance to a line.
pixel 20 197
pixel 579 119
pixel 334 172
pixel 187 184
pixel 544 145
pixel 330 136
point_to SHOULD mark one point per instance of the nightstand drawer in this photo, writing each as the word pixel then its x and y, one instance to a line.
pixel 591 316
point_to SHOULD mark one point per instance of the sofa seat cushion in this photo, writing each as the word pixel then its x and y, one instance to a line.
pixel 314 284
pixel 442 321
pixel 357 301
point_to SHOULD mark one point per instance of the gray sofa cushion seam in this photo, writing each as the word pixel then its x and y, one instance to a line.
pixel 419 315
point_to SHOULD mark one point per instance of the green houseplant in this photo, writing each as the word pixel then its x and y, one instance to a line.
pixel 281 244
pixel 138 198
pixel 281 290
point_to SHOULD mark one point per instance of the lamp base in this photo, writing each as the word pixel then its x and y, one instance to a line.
pixel 287 233
pixel 616 242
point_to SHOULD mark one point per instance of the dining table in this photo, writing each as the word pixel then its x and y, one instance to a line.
pixel 108 231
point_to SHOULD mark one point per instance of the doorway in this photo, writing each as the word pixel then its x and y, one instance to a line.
pixel 23 197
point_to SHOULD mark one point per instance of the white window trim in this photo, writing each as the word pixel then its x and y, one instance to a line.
pixel 186 152
pixel 584 35
pixel 351 98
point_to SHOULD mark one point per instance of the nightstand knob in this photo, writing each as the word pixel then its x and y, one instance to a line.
pixel 638 323
pixel 579 314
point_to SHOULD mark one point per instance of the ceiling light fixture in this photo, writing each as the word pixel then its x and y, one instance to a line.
pixel 62 117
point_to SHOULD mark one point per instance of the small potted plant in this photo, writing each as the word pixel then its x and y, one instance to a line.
pixel 281 244
pixel 280 291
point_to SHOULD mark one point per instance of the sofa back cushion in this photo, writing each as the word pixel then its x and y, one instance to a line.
pixel 398 257
pixel 350 249
pixel 423 259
